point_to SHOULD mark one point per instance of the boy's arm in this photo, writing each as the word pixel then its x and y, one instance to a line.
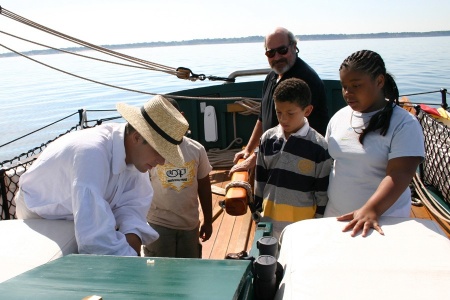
pixel 260 178
pixel 135 242
pixel 322 179
pixel 205 197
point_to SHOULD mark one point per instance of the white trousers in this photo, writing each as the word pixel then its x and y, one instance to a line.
pixel 22 211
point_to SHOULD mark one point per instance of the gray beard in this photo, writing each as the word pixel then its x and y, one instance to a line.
pixel 281 71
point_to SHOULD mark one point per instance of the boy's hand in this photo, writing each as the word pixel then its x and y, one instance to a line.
pixel 205 232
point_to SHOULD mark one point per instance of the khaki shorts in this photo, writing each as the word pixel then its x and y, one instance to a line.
pixel 174 243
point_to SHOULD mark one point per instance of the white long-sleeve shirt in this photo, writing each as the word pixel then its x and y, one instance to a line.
pixel 82 176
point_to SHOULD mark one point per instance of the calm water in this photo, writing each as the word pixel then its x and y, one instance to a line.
pixel 32 95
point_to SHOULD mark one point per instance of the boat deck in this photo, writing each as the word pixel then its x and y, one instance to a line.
pixel 234 234
pixel 230 234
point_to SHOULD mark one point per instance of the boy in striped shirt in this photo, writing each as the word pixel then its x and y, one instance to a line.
pixel 293 164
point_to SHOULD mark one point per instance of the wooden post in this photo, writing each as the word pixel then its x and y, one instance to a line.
pixel 236 201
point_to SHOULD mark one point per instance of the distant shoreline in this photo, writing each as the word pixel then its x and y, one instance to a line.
pixel 249 39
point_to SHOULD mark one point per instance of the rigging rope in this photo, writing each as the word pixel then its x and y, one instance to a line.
pixel 123 88
pixel 430 202
pixel 66 37
pixel 34 131
pixel 182 73
pixel 72 53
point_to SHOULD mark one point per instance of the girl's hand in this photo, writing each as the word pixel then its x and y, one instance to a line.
pixel 361 219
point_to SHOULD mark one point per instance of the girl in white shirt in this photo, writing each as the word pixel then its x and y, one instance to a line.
pixel 376 147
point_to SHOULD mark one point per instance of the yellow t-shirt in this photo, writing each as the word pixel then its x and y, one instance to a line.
pixel 175 201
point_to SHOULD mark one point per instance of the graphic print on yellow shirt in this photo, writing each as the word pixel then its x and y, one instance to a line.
pixel 176 178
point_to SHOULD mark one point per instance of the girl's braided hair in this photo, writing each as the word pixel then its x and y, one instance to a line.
pixel 371 63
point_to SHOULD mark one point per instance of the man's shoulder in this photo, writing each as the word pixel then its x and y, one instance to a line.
pixel 187 141
pixel 304 71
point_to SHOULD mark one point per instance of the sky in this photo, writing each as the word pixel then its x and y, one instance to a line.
pixel 104 22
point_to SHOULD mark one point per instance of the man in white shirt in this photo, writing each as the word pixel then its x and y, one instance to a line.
pixel 98 178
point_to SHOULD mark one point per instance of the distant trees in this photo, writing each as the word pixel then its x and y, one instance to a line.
pixel 249 39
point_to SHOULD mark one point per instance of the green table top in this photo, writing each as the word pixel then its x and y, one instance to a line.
pixel 114 277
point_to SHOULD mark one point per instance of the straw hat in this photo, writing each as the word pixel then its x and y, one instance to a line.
pixel 160 124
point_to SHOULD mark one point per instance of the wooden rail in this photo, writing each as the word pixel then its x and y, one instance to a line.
pixel 236 198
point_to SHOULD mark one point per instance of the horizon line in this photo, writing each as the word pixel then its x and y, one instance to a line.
pixel 255 38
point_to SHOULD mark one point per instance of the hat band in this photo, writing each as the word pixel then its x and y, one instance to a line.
pixel 158 129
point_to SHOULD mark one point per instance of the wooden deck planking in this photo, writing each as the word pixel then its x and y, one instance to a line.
pixel 225 232
pixel 421 212
pixel 209 245
pixel 241 234
pixel 231 234
pixel 219 179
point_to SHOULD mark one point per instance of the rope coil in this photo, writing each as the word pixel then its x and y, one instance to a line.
pixel 429 201
pixel 256 215
pixel 241 184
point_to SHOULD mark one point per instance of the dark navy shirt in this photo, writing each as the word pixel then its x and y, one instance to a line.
pixel 319 116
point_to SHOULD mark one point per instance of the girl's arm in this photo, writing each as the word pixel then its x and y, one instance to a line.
pixel 399 173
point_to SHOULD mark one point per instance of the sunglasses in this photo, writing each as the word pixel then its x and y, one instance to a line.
pixel 280 50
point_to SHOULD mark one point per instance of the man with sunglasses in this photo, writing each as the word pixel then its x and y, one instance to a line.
pixel 282 54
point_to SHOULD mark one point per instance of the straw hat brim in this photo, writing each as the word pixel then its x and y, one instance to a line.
pixel 167 117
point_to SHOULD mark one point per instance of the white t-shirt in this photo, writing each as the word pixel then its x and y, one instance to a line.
pixel 358 169
pixel 82 176
pixel 175 201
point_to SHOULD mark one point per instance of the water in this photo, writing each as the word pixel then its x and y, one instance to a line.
pixel 32 95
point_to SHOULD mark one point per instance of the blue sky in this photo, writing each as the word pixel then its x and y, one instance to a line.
pixel 118 22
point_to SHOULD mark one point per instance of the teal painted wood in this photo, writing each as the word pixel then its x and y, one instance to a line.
pixel 245 123
pixel 191 109
pixel 335 101
pixel 113 277
pixel 262 229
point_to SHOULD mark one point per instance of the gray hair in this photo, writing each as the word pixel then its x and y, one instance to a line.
pixel 291 37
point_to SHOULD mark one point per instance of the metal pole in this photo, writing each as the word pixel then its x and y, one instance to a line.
pixel 4 204
pixel 444 98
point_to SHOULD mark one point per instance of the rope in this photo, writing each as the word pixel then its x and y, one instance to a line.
pixel 251 106
pixel 182 73
pixel 74 53
pixel 241 184
pixel 66 117
pixel 429 201
pixel 106 51
pixel 423 93
pixel 416 202
pixel 256 215
pixel 223 158
pixel 77 76
pixel 128 89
